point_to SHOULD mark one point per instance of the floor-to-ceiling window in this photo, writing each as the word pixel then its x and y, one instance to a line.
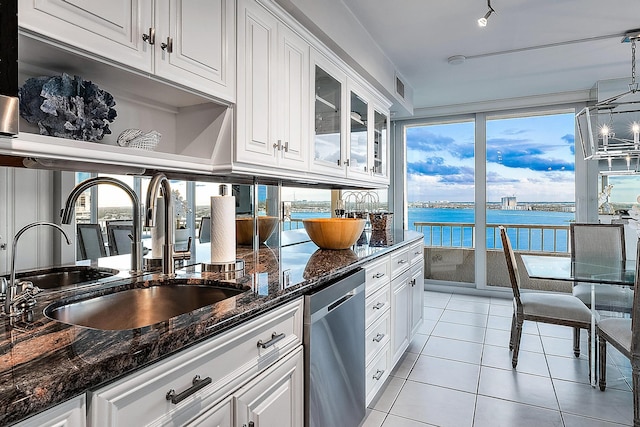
pixel 530 187
pixel 441 198
pixel 465 177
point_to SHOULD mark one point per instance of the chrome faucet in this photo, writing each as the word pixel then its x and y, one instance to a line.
pixel 136 240
pixel 11 296
pixel 160 182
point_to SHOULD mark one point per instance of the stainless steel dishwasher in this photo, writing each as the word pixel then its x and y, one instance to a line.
pixel 334 354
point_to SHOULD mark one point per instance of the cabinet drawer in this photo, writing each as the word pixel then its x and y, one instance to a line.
pixel 399 262
pixel 416 252
pixel 376 305
pixel 377 275
pixel 377 337
pixel 228 360
pixel 377 373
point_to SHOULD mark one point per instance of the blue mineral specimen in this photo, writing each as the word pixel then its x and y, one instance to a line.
pixel 67 107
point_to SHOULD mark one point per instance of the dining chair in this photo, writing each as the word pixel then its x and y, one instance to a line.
pixel 90 241
pixel 624 335
pixel 118 238
pixel 600 242
pixel 204 235
pixel 547 307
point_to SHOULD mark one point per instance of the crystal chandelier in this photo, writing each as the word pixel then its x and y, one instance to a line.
pixel 610 129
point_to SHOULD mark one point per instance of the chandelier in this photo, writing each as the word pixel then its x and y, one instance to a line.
pixel 610 129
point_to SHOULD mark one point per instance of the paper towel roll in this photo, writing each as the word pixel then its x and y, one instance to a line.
pixel 223 229
pixel 157 232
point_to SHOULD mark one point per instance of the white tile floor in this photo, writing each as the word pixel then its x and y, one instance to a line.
pixel 457 372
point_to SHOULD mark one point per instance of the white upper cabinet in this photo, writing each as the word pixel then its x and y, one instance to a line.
pixel 186 42
pixel 359 133
pixel 329 105
pixel 380 145
pixel 194 44
pixel 293 106
pixel 273 83
pixel 112 29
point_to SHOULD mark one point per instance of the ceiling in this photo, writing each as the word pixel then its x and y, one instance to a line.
pixel 529 47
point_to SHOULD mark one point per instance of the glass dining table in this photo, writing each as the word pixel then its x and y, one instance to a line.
pixel 600 271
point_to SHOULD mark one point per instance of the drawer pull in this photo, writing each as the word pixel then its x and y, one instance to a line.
pixel 378 337
pixel 251 424
pixel 378 306
pixel 275 337
pixel 402 261
pixel 417 253
pixel 378 374
pixel 413 282
pixel 197 385
pixel 378 275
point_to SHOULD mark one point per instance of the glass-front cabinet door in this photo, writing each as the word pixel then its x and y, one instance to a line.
pixel 328 146
pixel 380 144
pixel 358 135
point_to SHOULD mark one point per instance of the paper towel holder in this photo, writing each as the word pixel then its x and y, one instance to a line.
pixel 223 267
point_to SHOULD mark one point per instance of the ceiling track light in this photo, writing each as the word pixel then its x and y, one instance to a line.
pixel 483 21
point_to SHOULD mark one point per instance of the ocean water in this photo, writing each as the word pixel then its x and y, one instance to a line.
pixel 456 237
pixel 537 240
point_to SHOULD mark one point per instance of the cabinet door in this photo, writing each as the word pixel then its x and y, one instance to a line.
pixel 275 397
pixel 194 44
pixel 112 29
pixel 218 416
pixel 71 413
pixel 328 114
pixel 358 149
pixel 380 145
pixel 293 108
pixel 417 295
pixel 400 312
pixel 257 44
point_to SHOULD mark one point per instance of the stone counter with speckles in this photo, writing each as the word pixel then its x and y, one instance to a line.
pixel 44 362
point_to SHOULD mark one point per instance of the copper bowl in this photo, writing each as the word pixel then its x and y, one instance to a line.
pixel 334 233
pixel 244 229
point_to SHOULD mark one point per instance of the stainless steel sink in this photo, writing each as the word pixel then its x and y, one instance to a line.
pixel 139 307
pixel 64 276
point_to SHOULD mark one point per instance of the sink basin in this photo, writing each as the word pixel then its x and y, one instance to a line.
pixel 139 307
pixel 64 276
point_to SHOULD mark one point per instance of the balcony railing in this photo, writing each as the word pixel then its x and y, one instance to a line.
pixel 528 237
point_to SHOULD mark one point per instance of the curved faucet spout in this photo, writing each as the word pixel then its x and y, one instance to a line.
pixel 136 243
pixel 11 288
pixel 159 182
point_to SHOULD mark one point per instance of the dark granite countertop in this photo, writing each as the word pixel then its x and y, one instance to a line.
pixel 45 362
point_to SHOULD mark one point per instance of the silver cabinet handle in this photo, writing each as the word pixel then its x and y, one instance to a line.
pixel 278 146
pixel 402 261
pixel 251 424
pixel 417 253
pixel 275 337
pixel 378 306
pixel 286 146
pixel 347 162
pixel 378 275
pixel 413 282
pixel 378 374
pixel 197 385
pixel 168 46
pixel 150 37
pixel 378 337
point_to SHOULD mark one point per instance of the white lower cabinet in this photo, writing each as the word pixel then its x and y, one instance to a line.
pixel 275 397
pixel 221 415
pixel 417 296
pixel 197 382
pixel 400 312
pixel 71 413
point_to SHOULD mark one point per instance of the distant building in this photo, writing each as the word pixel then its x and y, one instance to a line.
pixel 509 203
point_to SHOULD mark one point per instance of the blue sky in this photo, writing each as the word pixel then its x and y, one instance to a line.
pixel 531 158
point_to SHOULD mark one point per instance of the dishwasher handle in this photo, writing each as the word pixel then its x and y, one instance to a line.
pixel 337 303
